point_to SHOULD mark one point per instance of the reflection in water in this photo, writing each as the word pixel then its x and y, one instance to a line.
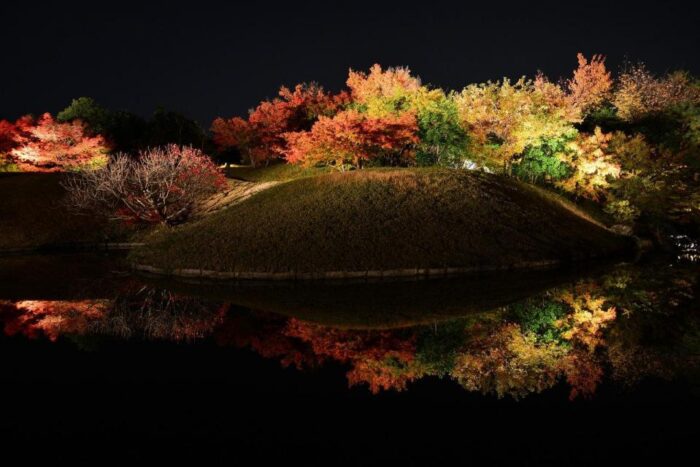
pixel 51 317
pixel 631 323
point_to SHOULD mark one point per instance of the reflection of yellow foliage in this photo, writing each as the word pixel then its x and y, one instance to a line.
pixel 587 319
pixel 509 362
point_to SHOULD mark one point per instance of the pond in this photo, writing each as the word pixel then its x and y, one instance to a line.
pixel 393 370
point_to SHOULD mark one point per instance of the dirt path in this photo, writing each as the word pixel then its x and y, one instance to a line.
pixel 237 192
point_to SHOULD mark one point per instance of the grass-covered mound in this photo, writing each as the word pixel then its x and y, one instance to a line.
pixel 383 220
pixel 274 172
pixel 33 215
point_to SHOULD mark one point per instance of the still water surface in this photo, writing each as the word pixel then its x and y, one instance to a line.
pixel 83 336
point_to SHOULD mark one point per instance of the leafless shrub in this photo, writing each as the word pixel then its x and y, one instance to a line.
pixel 162 185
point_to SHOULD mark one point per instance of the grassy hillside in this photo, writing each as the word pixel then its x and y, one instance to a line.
pixel 32 214
pixel 275 172
pixel 383 219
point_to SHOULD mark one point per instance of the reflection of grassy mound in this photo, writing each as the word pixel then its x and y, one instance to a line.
pixel 32 214
pixel 61 276
pixel 386 304
pixel 383 220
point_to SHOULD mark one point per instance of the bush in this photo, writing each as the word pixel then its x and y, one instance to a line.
pixel 543 162
pixel 163 185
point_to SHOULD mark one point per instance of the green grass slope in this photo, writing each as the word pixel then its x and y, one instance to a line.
pixel 275 172
pixel 383 220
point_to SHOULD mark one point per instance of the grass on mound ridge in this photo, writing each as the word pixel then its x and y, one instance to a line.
pixel 383 219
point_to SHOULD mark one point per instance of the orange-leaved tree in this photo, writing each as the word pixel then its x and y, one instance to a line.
pixel 44 145
pixel 261 137
pixel 591 84
pixel 351 139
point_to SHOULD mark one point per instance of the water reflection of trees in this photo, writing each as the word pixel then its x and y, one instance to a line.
pixel 145 312
pixel 632 323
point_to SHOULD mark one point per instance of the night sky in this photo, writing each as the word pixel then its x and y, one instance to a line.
pixel 205 59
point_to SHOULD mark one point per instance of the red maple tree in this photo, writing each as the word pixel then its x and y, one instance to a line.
pixel 261 136
pixel 351 138
pixel 44 145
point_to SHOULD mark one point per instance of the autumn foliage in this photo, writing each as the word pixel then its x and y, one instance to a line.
pixel 163 185
pixel 261 136
pixel 591 83
pixel 615 325
pixel 629 142
pixel 45 145
pixel 351 139
pixel 388 117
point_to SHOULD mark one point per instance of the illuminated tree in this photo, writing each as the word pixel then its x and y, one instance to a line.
pixel 381 92
pixel 591 83
pixel 261 137
pixel 8 141
pixel 146 312
pixel 266 334
pixel 593 166
pixel 546 161
pixel 160 314
pixel 503 118
pixel 45 145
pixel 235 133
pixel 350 139
pixel 164 185
pixel 442 140
pixel 8 135
pixel 640 93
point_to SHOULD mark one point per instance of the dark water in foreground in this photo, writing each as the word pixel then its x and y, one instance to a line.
pixel 556 367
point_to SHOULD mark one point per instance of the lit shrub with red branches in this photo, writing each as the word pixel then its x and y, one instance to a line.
pixel 163 185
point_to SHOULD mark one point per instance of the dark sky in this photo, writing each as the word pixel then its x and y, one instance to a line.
pixel 207 59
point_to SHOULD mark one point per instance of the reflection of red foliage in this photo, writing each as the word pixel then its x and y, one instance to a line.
pixel 345 345
pixel 33 318
pixel 583 372
pixel 380 376
pixel 381 359
pixel 264 334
